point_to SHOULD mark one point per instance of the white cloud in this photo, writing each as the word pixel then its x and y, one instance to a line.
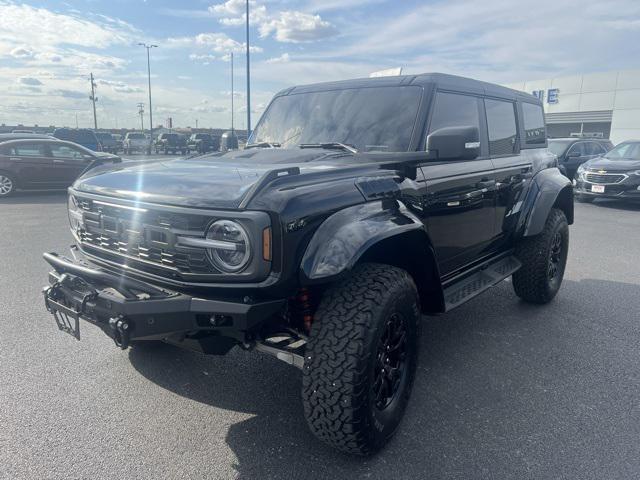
pixel 297 27
pixel 285 57
pixel 211 46
pixel 120 87
pixel 31 81
pixel 21 52
pixel 44 27
pixel 285 26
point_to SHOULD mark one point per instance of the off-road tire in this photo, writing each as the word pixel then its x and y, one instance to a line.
pixel 532 282
pixel 8 186
pixel 343 358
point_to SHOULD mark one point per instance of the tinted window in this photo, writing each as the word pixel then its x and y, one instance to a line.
pixel 578 147
pixel 534 132
pixel 593 148
pixel 453 110
pixel 501 123
pixel 135 136
pixel 28 150
pixel 558 147
pixel 380 118
pixel 66 151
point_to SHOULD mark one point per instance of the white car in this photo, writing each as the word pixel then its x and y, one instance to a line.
pixel 136 142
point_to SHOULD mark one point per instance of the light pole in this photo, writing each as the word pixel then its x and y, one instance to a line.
pixel 93 99
pixel 248 80
pixel 232 95
pixel 149 47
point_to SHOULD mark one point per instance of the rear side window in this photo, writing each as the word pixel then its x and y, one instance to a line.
pixel 534 132
pixel 28 150
pixel 454 110
pixel 501 124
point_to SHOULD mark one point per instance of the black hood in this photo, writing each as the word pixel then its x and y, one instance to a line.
pixel 612 165
pixel 214 181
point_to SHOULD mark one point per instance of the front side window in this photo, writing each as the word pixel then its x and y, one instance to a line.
pixel 454 110
pixel 370 119
pixel 67 152
pixel 501 124
pixel 28 150
pixel 534 131
pixel 578 149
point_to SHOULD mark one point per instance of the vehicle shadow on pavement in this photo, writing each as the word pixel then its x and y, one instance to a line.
pixel 617 204
pixel 29 198
pixel 503 390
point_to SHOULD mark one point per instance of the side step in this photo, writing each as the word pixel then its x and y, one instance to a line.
pixel 288 347
pixel 467 288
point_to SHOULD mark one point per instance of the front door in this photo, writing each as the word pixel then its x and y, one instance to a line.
pixel 460 201
pixel 68 162
pixel 30 163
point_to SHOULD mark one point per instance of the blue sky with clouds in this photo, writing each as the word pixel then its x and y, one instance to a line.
pixel 48 48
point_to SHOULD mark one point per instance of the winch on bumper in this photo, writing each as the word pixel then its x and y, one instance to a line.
pixel 127 309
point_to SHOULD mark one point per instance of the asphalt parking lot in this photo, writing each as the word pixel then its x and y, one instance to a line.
pixel 503 390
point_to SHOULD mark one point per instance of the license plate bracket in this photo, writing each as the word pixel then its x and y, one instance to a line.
pixel 597 188
pixel 67 319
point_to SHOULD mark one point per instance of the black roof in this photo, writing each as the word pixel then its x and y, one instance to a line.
pixel 442 80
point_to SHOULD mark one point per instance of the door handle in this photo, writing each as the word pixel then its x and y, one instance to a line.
pixel 486 184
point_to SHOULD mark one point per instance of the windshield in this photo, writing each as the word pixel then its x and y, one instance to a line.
pixel 104 136
pixel 624 151
pixel 136 136
pixel 558 147
pixel 380 118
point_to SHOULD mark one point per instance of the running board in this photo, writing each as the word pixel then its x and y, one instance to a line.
pixel 287 347
pixel 473 285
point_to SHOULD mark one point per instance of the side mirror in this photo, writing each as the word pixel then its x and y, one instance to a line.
pixel 455 143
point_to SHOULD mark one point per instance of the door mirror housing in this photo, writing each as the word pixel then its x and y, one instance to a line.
pixel 455 143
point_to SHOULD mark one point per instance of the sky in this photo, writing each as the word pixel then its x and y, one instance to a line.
pixel 48 49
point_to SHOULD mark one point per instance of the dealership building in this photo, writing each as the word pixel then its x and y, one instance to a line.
pixel 597 104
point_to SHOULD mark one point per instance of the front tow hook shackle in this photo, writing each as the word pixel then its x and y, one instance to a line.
pixel 121 331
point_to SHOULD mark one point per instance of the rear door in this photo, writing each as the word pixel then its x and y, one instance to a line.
pixel 460 202
pixel 514 168
pixel 29 162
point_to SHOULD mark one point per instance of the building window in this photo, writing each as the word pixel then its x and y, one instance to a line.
pixel 534 131
pixel 501 123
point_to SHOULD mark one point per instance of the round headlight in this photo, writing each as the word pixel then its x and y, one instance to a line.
pixel 234 251
pixel 75 214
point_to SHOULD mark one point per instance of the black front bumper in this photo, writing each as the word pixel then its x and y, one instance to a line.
pixel 127 309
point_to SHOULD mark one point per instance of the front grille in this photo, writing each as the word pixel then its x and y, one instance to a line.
pixel 142 238
pixel 604 178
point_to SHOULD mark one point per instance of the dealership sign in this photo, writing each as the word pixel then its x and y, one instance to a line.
pixel 552 95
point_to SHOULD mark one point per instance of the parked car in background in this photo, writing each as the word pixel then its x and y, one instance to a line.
pixel 574 151
pixel 107 142
pixel 616 174
pixel 171 143
pixel 135 142
pixel 44 163
pixel 203 142
pixel 22 131
pixel 82 136
pixel 119 140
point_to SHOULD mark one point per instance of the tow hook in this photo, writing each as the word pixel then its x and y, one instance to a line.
pixel 120 328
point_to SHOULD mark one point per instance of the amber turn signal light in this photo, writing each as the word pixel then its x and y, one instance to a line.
pixel 266 244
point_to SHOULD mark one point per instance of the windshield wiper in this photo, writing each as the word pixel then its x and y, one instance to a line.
pixel 330 146
pixel 262 145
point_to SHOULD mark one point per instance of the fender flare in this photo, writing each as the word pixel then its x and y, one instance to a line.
pixel 549 189
pixel 346 235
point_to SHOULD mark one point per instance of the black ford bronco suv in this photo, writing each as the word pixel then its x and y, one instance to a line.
pixel 355 207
